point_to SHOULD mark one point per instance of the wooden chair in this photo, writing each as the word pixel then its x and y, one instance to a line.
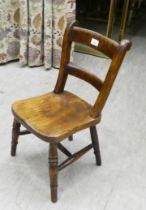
pixel 59 114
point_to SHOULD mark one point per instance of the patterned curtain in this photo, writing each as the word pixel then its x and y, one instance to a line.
pixel 32 30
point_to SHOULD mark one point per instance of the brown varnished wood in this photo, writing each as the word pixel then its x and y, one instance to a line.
pixel 53 170
pixel 64 150
pixel 59 114
pixel 77 71
pixel 95 143
pixel 53 117
pixel 74 157
pixel 88 35
pixel 110 77
pixel 25 132
pixel 65 58
pixel 15 135
pixel 110 48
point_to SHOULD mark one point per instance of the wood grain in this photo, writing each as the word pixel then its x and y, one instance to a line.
pixel 53 170
pixel 53 117
pixel 59 114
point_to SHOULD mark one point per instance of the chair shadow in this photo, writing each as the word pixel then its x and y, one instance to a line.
pixel 68 177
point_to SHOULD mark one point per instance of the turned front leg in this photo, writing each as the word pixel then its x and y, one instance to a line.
pixel 15 135
pixel 53 170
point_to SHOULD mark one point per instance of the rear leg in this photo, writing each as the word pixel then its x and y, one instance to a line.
pixel 95 143
pixel 15 135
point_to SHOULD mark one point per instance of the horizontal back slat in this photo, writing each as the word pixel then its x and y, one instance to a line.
pixel 94 40
pixel 76 71
pixel 114 50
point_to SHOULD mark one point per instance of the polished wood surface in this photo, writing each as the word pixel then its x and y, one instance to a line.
pixel 53 117
pixel 59 114
pixel 15 135
pixel 78 72
pixel 53 171
pixel 95 143
pixel 110 48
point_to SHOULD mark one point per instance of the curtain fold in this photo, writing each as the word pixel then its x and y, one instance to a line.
pixel 32 30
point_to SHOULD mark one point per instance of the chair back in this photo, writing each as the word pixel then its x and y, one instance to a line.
pixel 114 50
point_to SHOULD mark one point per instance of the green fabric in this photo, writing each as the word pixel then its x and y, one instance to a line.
pixel 32 30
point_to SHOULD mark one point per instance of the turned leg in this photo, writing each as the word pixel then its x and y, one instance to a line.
pixel 15 135
pixel 95 142
pixel 70 138
pixel 53 170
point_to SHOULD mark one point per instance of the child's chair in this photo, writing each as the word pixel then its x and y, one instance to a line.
pixel 59 114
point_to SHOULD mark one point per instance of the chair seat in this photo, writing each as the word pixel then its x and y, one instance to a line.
pixel 54 117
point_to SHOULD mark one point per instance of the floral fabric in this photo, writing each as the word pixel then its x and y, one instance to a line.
pixel 32 30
